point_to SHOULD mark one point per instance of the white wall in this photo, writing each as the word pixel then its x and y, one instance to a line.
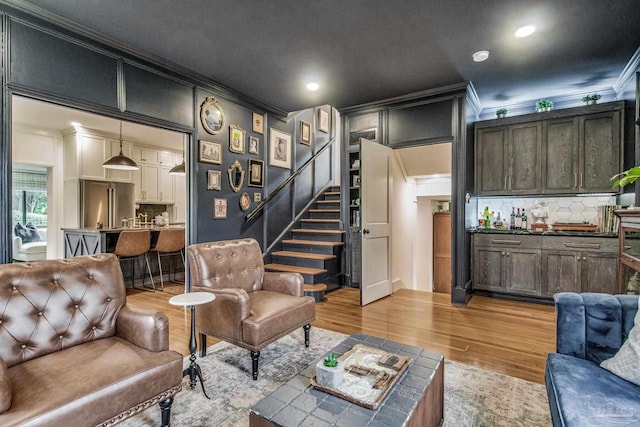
pixel 403 231
pixel 44 148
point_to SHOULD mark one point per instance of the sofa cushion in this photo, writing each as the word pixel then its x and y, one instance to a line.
pixel 89 382
pixel 582 394
pixel 273 314
pixel 28 233
pixel 626 362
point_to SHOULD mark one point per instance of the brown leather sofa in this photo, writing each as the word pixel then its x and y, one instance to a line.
pixel 252 308
pixel 72 353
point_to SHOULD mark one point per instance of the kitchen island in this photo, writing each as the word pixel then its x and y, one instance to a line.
pixel 536 265
pixel 91 241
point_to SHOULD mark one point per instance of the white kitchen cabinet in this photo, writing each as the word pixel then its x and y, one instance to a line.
pixel 150 183
pixel 153 184
pixel 89 152
pixel 165 158
pixel 180 198
pixel 113 147
pixel 92 153
pixel 165 187
pixel 143 155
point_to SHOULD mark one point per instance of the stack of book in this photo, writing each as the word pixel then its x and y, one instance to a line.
pixel 607 220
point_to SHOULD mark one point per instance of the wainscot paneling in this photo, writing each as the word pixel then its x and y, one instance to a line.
pixel 420 122
pixel 155 95
pixel 46 62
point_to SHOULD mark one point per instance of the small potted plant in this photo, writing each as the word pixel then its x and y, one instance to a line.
pixel 330 371
pixel 544 105
pixel 501 113
pixel 591 99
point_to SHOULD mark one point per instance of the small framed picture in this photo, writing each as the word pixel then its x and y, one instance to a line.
pixel 211 115
pixel 236 139
pixel 370 134
pixel 279 149
pixel 356 181
pixel 245 201
pixel 254 141
pixel 214 180
pixel 210 152
pixel 305 133
pixel 219 208
pixel 256 173
pixel 258 123
pixel 257 197
pixel 323 121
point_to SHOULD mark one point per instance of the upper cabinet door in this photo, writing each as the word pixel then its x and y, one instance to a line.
pixel 560 156
pixel 93 152
pixel 600 157
pixel 491 161
pixel 525 168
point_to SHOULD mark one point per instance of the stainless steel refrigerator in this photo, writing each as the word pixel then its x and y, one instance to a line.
pixel 106 203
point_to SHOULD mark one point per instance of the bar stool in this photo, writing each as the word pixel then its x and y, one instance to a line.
pixel 170 242
pixel 130 245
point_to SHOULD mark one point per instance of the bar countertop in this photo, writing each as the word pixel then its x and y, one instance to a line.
pixel 119 229
pixel 542 233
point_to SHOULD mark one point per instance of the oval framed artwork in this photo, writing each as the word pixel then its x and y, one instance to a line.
pixel 212 115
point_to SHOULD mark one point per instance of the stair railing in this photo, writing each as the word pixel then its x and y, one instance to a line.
pixel 286 182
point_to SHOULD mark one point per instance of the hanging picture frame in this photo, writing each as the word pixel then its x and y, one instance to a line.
pixel 212 115
pixel 256 173
pixel 254 142
pixel 210 152
pixel 236 139
pixel 323 121
pixel 279 149
pixel 214 180
pixel 305 133
pixel 258 123
pixel 219 208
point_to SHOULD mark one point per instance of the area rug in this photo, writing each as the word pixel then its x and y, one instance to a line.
pixel 473 397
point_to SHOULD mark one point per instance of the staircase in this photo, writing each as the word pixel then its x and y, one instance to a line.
pixel 315 248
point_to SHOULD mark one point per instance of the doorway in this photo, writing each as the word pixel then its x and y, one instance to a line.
pixel 40 131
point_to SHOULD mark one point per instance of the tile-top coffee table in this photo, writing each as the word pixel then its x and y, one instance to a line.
pixel 417 399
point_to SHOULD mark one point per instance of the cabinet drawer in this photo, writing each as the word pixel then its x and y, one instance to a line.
pixel 598 244
pixel 508 240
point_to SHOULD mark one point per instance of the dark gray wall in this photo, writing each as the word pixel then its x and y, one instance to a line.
pixel 64 66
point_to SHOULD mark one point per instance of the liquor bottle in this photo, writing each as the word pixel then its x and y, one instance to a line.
pixel 512 221
pixel 518 220
pixel 524 220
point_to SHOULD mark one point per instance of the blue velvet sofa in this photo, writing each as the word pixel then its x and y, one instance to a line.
pixel 591 328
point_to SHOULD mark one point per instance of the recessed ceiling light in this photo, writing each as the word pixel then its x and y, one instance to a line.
pixel 75 124
pixel 480 55
pixel 313 86
pixel 525 31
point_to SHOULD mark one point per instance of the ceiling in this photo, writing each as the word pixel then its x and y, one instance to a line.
pixel 366 50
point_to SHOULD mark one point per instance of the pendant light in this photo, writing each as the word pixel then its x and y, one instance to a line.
pixel 120 161
pixel 178 169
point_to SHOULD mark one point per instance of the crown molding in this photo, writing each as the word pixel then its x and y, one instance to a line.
pixel 628 74
pixel 473 100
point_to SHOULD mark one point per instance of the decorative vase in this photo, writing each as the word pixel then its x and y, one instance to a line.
pixel 329 376
pixel 501 115
pixel 592 102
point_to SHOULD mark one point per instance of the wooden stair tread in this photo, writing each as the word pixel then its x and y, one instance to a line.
pixel 319 220
pixel 325 210
pixel 312 242
pixel 294 269
pixel 314 230
pixel 305 255
pixel 332 193
pixel 318 287
pixel 328 201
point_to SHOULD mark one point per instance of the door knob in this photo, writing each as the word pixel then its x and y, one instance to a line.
pixel 365 231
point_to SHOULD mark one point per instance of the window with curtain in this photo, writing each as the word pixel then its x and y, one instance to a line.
pixel 29 197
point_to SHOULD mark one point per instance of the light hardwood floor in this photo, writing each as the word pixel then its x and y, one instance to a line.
pixel 509 337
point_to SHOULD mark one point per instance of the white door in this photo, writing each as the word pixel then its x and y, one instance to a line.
pixel 375 187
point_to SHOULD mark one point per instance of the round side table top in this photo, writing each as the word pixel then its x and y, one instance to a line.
pixel 192 298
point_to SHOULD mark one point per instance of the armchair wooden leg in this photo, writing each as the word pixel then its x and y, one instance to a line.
pixel 203 345
pixel 165 407
pixel 255 355
pixel 307 328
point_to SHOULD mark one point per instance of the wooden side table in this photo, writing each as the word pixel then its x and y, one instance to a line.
pixel 191 299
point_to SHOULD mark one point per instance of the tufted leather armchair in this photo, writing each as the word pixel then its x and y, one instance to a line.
pixel 252 308
pixel 72 353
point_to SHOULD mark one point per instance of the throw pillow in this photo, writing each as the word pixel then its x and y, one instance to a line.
pixel 27 233
pixel 626 362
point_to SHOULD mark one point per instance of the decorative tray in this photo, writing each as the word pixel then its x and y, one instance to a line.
pixel 369 374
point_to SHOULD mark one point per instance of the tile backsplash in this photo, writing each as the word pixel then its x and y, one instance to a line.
pixel 561 209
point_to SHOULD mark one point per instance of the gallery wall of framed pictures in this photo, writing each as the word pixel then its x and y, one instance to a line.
pixel 241 153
